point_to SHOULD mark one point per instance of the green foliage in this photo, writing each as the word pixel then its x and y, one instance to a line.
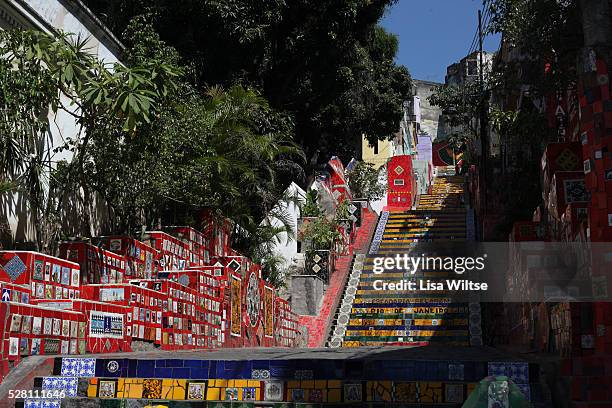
pixel 311 207
pixel 321 232
pixel 461 106
pixel 38 72
pixel 326 63
pixel 153 148
pixel 545 32
pixel 273 270
pixel 342 210
pixel 364 183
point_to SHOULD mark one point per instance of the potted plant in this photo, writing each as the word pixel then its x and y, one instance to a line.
pixel 309 211
pixel 322 234
pixel 344 226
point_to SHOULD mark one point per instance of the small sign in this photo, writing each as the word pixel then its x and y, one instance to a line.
pixel 6 295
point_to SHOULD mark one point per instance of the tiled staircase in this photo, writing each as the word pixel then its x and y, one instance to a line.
pixel 368 317
pixel 402 318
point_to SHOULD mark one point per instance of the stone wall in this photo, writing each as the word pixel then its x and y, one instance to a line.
pixel 430 115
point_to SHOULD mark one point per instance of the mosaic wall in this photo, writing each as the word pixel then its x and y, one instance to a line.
pixel 276 381
pixel 54 306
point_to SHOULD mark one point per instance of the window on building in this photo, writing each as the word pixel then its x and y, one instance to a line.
pixel 398 182
pixel 472 67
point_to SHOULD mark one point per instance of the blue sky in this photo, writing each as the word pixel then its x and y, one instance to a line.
pixel 434 34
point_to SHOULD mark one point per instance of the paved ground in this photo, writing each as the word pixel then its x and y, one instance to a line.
pixel 361 353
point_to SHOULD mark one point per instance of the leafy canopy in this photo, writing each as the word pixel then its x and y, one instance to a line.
pixel 326 63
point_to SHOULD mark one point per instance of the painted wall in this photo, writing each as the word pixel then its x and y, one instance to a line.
pixel 377 155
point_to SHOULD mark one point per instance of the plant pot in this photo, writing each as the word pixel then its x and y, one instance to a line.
pixel 345 227
pixel 319 262
pixel 356 209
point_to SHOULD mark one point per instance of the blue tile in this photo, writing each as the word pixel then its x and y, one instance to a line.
pixel 280 363
pixel 281 372
pixel 236 369
pixel 193 363
pixel 199 373
pixel 261 364
pixel 100 367
pixel 219 370
pixel 480 371
pixel 132 368
pixel 420 370
pixel 469 371
pixel 163 372
pixel 181 372
pixel 174 363
pixel 442 371
pixel 212 369
pixel 160 363
pixel 326 370
pixel 146 369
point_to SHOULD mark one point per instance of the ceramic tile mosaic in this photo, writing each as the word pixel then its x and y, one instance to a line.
pixel 455 372
pixel 497 368
pixel 78 367
pixel 40 403
pixel 259 374
pixel 519 372
pixel 66 384
pixel 453 393
pixel 14 268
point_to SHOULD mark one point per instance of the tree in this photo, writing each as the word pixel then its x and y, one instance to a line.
pixel 548 34
pixel 38 72
pixel 460 105
pixel 325 63
pixel 364 182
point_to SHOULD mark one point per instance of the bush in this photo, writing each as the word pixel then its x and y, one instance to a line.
pixel 363 182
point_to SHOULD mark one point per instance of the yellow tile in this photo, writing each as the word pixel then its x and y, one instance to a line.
pixel 334 384
pixel 135 390
pixel 241 383
pixel 213 394
pixel 92 391
pixel 221 383
pixel 293 384
pixel 178 393
pixel 166 390
pixel 230 383
pixel 333 395
pixel 258 395
pixel 120 385
pixel 254 383
pixel 121 395
pixel 308 384
pixel 167 382
pixel 320 384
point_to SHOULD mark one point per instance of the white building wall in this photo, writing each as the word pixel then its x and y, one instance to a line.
pixel 286 246
pixel 70 16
